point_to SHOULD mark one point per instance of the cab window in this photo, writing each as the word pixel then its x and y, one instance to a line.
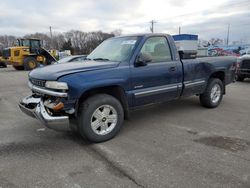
pixel 25 43
pixel 35 44
pixel 158 49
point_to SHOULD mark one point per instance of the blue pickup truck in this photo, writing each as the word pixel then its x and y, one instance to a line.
pixel 122 74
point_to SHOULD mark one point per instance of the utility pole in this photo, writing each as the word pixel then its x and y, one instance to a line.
pixel 50 30
pixel 228 30
pixel 179 30
pixel 152 25
pixel 51 39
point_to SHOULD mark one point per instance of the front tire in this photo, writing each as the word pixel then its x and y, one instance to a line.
pixel 30 63
pixel 3 65
pixel 213 94
pixel 101 118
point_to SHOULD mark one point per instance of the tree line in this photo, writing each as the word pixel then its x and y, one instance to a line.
pixel 78 42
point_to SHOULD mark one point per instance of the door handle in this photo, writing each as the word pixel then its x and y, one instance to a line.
pixel 172 69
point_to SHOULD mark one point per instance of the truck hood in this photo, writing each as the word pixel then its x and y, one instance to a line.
pixel 53 72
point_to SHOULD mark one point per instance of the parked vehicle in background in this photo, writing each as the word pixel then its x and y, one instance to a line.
pixel 245 51
pixel 72 58
pixel 2 64
pixel 243 67
pixel 122 74
pixel 27 54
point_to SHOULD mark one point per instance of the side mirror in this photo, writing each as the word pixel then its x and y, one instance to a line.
pixel 143 59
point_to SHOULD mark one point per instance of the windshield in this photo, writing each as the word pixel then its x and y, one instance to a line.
pixel 114 49
pixel 25 43
pixel 65 59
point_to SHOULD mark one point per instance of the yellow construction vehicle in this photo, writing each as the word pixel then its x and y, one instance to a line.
pixel 27 54
pixel 2 63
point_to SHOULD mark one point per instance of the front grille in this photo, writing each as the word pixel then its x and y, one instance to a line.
pixel 39 83
pixel 6 53
pixel 245 64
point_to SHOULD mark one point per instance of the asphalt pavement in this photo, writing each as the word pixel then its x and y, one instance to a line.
pixel 176 144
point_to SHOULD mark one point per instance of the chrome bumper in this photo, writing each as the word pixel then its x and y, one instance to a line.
pixel 34 107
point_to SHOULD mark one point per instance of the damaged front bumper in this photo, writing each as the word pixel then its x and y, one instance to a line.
pixel 34 107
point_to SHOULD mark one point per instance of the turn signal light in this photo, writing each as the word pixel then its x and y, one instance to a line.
pixel 58 106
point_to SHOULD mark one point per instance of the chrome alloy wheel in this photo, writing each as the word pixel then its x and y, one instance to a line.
pixel 215 93
pixel 104 119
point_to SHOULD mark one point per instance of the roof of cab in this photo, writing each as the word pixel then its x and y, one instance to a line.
pixel 144 35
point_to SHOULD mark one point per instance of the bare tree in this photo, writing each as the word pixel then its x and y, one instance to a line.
pixel 79 42
pixel 203 43
pixel 215 41
pixel 7 40
pixel 117 32
pixel 84 43
pixel 58 41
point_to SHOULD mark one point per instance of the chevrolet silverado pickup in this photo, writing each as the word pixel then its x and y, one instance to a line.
pixel 120 75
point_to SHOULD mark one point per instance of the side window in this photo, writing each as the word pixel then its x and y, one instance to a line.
pixel 35 44
pixel 77 59
pixel 157 48
pixel 83 58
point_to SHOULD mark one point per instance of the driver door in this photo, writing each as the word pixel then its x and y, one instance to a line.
pixel 157 80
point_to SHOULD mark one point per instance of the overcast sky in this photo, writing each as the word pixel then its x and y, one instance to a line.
pixel 207 18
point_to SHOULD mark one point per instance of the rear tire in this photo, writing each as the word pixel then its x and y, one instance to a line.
pixel 3 65
pixel 18 67
pixel 213 94
pixel 100 118
pixel 30 63
pixel 239 78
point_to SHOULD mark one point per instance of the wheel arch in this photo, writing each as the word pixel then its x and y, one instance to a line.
pixel 220 74
pixel 115 90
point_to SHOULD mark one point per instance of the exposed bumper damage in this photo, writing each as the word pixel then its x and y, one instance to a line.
pixel 34 107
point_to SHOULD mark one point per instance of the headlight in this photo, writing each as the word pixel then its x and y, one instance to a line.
pixel 56 85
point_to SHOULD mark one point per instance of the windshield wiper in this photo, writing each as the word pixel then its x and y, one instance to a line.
pixel 88 59
pixel 100 59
